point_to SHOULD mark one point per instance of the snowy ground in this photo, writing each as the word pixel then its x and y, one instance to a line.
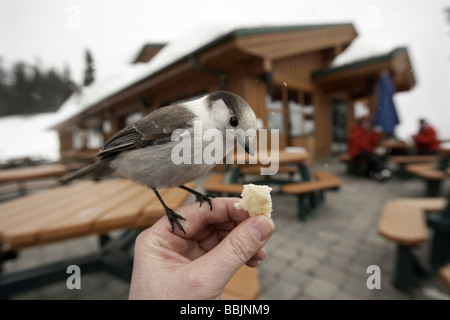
pixel 28 137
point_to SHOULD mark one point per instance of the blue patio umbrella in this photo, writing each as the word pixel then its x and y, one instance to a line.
pixel 386 114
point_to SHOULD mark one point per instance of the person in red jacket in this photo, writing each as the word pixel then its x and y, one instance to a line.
pixel 426 139
pixel 362 145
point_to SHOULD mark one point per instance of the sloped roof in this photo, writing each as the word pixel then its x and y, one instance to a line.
pixel 361 62
pixel 199 41
pixel 358 68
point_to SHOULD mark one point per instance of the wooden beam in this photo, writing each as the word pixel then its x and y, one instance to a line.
pixel 280 79
pixel 286 124
pixel 280 45
pixel 267 65
pixel 323 124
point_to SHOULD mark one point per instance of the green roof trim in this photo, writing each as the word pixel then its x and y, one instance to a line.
pixel 360 63
pixel 242 32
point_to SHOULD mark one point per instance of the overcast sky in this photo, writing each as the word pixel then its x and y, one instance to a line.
pixel 57 32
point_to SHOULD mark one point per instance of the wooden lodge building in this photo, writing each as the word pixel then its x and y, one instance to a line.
pixel 284 73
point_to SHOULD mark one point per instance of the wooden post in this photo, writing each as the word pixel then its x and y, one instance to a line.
pixel 286 124
pixel 323 123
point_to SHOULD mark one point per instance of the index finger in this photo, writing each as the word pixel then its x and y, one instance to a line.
pixel 197 218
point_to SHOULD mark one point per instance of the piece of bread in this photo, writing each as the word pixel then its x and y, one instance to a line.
pixel 256 200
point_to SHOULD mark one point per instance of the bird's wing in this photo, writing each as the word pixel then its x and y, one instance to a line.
pixel 154 128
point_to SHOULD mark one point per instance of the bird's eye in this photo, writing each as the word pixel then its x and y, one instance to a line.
pixel 234 121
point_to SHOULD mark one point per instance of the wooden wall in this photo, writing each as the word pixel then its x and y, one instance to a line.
pixel 299 67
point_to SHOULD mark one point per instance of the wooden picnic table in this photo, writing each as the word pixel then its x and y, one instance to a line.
pixel 282 160
pixel 79 209
pixel 397 145
pixel 91 208
pixel 407 223
pixel 33 172
pixel 309 187
pixel 410 148
pixel 18 181
pixel 445 150
pixel 263 158
pixel 82 208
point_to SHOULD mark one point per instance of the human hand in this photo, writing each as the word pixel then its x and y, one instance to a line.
pixel 378 129
pixel 198 265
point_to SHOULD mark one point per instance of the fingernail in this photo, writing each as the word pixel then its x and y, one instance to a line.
pixel 261 228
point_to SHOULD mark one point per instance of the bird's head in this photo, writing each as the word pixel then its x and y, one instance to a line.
pixel 230 111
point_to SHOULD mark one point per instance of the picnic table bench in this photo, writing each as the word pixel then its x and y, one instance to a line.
pixel 91 208
pixel 216 184
pixel 22 175
pixel 406 222
pixel 403 160
pixel 431 175
pixel 357 167
pixel 310 194
pixel 444 273
pixel 244 285
pixel 309 188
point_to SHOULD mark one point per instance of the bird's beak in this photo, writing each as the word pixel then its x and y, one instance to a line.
pixel 247 145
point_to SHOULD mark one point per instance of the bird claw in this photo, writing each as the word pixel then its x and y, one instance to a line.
pixel 200 197
pixel 205 197
pixel 173 219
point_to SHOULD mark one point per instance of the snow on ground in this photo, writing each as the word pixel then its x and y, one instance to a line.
pixel 27 136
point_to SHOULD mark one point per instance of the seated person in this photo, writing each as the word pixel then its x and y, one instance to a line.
pixel 362 144
pixel 426 140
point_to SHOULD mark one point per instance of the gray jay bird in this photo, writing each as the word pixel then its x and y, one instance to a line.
pixel 143 151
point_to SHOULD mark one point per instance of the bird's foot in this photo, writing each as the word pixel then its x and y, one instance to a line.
pixel 200 197
pixel 204 197
pixel 173 219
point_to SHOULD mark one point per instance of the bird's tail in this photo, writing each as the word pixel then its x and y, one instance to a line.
pixel 96 169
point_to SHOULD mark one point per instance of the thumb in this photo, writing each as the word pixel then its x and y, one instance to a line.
pixel 238 247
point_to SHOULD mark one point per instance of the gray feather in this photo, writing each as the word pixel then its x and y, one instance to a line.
pixel 154 128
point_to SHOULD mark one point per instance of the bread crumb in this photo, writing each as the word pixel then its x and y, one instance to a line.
pixel 256 200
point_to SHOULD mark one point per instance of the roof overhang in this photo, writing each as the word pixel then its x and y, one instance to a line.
pixel 357 78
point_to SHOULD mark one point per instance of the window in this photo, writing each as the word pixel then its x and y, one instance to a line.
pixel 275 117
pixel 302 115
pixel 79 138
pixel 132 118
pixel 290 110
pixel 94 138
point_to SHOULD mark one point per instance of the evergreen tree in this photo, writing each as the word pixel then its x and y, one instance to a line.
pixel 27 89
pixel 20 93
pixel 3 89
pixel 89 70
